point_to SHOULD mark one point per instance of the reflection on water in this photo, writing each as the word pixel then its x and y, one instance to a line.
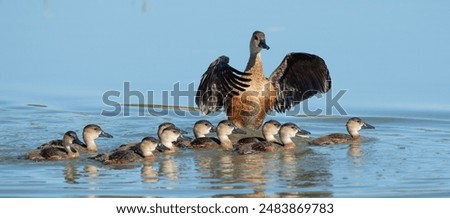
pixel 398 157
pixel 258 174
pixel 148 173
pixel 168 168
pixel 70 174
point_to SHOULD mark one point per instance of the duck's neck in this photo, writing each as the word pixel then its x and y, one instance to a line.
pixel 254 65
pixel 90 143
pixel 354 133
pixel 168 144
pixel 199 135
pixel 146 152
pixel 225 142
pixel 270 138
pixel 71 152
pixel 68 149
pixel 287 142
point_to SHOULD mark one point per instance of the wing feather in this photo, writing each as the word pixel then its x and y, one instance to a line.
pixel 218 84
pixel 299 77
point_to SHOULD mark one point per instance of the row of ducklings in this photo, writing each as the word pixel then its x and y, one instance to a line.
pixel 171 138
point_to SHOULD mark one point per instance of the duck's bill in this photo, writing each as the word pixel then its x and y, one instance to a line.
pixel 263 45
pixel 183 132
pixel 213 129
pixel 105 134
pixel 239 131
pixel 303 133
pixel 367 126
pixel 78 142
pixel 183 137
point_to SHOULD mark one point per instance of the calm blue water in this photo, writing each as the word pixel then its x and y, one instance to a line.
pixel 405 156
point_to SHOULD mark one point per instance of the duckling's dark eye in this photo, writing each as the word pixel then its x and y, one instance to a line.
pixel 256 37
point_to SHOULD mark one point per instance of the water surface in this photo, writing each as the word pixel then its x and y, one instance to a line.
pixel 405 156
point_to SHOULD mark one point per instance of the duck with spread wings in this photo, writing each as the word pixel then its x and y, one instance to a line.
pixel 248 96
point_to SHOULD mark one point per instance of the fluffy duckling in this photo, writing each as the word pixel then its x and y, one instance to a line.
pixel 353 125
pixel 267 143
pixel 140 151
pixel 66 151
pixel 201 128
pixel 168 139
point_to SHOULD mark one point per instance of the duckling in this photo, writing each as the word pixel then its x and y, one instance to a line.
pixel 298 77
pixel 269 129
pixel 130 145
pixel 353 125
pixel 66 151
pixel 289 131
pixel 224 129
pixel 201 128
pixel 168 138
pixel 140 151
pixel 90 133
pixel 268 143
pixel 181 142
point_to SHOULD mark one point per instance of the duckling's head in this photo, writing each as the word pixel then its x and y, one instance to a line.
pixel 355 124
pixel 170 134
pixel 164 125
pixel 271 127
pixel 227 127
pixel 290 130
pixel 148 145
pixel 93 131
pixel 258 42
pixel 203 127
pixel 70 137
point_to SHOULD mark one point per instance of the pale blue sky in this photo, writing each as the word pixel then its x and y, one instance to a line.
pixel 385 53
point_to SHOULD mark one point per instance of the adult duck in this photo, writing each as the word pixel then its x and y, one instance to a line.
pixel 248 96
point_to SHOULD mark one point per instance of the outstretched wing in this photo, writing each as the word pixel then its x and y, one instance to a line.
pixel 299 77
pixel 219 83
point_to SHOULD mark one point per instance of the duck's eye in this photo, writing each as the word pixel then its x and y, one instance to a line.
pixel 256 37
